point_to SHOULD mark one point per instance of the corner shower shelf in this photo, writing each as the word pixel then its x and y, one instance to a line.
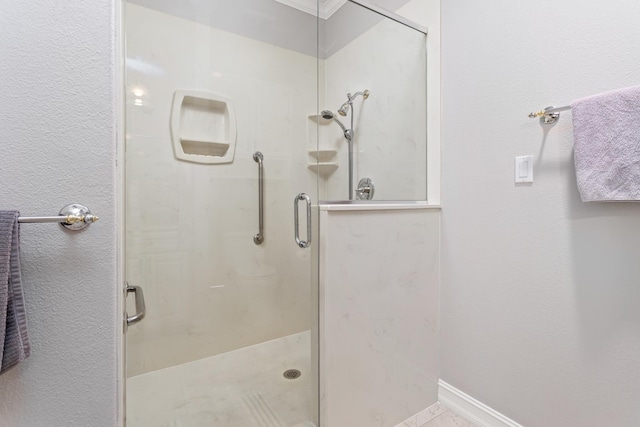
pixel 323 155
pixel 323 168
pixel 203 127
pixel 323 165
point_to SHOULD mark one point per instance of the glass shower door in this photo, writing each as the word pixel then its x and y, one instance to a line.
pixel 217 97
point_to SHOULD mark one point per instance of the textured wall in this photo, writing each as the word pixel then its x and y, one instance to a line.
pixel 57 120
pixel 379 278
pixel 540 293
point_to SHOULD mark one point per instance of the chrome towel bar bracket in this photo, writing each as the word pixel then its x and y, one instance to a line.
pixel 549 115
pixel 74 217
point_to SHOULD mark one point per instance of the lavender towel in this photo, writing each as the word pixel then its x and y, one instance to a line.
pixel 14 342
pixel 606 132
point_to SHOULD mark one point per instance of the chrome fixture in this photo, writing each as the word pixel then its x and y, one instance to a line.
pixel 328 115
pixel 348 133
pixel 344 108
pixel 141 310
pixel 259 238
pixel 292 374
pixel 296 223
pixel 74 217
pixel 365 189
pixel 549 115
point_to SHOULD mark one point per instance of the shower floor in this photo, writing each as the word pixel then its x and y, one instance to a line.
pixel 241 388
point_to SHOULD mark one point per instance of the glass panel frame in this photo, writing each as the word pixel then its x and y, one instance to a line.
pixel 186 222
pixel 389 137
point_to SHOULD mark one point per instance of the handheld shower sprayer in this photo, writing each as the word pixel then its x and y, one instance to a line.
pixel 348 133
pixel 328 115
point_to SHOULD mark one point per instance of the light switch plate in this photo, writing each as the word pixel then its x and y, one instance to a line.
pixel 524 169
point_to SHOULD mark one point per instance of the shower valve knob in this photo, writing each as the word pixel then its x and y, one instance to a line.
pixel 365 189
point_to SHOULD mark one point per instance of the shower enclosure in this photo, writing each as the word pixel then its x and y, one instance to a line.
pixel 228 150
pixel 214 99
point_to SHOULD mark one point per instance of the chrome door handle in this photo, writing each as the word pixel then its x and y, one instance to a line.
pixel 302 243
pixel 140 308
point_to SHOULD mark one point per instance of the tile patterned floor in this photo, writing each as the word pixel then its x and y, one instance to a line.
pixel 448 419
pixel 437 415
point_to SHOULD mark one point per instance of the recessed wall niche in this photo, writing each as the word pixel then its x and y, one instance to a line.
pixel 203 127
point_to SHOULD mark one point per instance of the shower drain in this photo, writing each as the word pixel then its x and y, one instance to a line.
pixel 291 374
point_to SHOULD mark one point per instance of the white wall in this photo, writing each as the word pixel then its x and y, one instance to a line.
pixel 57 119
pixel 390 126
pixel 379 278
pixel 190 226
pixel 389 60
pixel 540 292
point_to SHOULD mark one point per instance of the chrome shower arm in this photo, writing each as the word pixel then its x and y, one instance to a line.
pixel 344 108
pixel 364 94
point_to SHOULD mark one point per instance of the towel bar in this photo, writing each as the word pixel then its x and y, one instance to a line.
pixel 74 217
pixel 550 114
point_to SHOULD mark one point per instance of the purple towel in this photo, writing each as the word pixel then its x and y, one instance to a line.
pixel 606 132
pixel 14 342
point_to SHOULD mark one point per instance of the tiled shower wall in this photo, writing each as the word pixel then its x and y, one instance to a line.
pixel 390 126
pixel 190 226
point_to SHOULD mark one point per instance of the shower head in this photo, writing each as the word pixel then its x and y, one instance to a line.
pixel 328 115
pixel 344 108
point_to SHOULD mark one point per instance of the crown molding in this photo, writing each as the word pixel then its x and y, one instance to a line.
pixel 323 8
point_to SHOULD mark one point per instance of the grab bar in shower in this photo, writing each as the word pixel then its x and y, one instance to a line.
pixel 296 222
pixel 259 238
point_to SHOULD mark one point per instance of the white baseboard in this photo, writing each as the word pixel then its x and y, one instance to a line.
pixel 468 407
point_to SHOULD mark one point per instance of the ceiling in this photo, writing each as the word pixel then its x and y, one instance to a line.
pixel 290 24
